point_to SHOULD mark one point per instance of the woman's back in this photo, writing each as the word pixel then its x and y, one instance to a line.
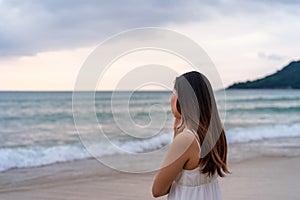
pixel 192 184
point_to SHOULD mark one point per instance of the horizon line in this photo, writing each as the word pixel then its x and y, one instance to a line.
pixel 92 90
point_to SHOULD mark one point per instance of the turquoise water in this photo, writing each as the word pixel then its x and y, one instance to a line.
pixel 37 128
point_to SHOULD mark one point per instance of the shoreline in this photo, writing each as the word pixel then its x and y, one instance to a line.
pixel 281 146
pixel 264 177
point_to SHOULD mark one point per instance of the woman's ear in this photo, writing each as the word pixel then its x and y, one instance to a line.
pixel 178 107
pixel 177 112
pixel 174 106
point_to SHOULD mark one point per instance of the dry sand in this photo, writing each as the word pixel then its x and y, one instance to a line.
pixel 259 178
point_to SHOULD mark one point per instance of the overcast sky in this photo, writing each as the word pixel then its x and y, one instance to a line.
pixel 43 43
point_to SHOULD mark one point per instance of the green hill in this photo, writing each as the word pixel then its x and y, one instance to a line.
pixel 287 78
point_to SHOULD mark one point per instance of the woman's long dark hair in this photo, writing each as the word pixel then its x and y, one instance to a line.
pixel 198 109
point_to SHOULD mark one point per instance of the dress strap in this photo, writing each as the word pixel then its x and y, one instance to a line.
pixel 195 137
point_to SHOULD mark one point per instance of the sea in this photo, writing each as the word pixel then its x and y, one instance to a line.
pixel 39 128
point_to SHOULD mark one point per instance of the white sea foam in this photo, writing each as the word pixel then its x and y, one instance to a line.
pixel 21 157
pixel 37 156
pixel 241 135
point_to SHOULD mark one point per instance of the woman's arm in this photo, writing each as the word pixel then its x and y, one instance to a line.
pixel 175 159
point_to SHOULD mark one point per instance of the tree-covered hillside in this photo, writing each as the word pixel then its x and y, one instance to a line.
pixel 287 78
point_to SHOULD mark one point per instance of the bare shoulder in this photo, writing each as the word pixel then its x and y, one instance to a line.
pixel 184 136
pixel 183 140
pixel 179 149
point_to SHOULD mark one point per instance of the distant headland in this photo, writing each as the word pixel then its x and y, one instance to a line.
pixel 286 78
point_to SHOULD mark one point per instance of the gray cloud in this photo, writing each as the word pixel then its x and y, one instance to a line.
pixel 31 26
pixel 266 56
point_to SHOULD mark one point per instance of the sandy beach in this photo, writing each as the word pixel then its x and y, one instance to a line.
pixel 256 178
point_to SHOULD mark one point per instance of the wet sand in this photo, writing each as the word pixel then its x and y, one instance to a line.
pixel 256 178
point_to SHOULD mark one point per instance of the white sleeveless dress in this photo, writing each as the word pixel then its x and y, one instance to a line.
pixel 192 184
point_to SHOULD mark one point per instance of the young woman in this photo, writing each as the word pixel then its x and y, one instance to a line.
pixel 198 152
